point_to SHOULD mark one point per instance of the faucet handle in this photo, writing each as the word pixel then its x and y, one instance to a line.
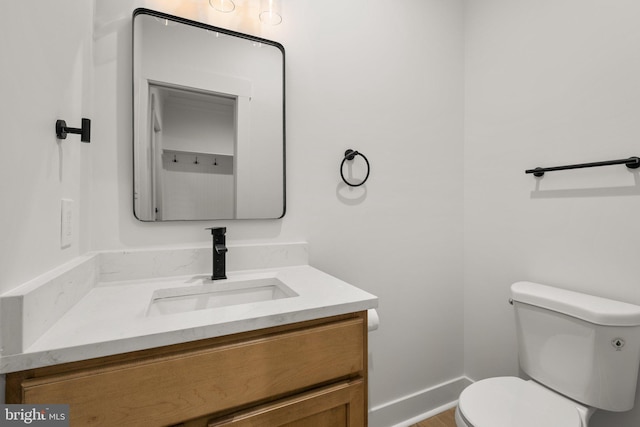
pixel 219 251
pixel 217 231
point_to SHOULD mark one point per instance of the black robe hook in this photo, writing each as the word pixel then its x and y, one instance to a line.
pixel 85 132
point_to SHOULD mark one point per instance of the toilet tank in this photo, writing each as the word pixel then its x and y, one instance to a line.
pixel 582 346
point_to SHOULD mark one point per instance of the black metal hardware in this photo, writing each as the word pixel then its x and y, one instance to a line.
pixel 350 155
pixel 631 163
pixel 219 251
pixel 85 132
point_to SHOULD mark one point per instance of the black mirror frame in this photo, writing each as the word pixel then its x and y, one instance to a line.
pixel 162 15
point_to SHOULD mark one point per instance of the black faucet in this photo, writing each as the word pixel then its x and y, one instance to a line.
pixel 219 251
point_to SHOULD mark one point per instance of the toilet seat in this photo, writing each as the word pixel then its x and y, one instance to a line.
pixel 511 401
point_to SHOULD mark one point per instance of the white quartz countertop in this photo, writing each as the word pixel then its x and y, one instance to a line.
pixel 112 317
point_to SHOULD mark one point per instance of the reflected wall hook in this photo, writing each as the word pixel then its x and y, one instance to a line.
pixel 350 155
pixel 85 132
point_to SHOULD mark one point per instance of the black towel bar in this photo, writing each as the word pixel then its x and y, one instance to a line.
pixel 631 163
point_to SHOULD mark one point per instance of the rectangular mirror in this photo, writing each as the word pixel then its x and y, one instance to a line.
pixel 208 122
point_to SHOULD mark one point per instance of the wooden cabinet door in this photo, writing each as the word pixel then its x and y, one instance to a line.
pixel 168 389
pixel 338 405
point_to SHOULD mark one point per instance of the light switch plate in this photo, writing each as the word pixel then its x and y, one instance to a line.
pixel 66 228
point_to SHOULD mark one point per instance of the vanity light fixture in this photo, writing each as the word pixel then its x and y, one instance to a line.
pixel 270 12
pixel 225 6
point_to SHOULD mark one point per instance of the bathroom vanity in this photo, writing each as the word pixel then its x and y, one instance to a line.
pixel 307 373
pixel 278 346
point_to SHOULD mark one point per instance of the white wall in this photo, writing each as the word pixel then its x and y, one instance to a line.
pixel 198 129
pixel 385 80
pixel 196 191
pixel 46 74
pixel 548 82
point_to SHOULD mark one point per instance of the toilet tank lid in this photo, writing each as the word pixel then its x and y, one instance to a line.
pixel 597 310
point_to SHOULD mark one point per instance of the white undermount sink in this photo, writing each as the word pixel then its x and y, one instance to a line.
pixel 217 294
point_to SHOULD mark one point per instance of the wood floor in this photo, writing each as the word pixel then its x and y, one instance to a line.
pixel 443 419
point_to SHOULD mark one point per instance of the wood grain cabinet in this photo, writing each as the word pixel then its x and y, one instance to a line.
pixel 305 374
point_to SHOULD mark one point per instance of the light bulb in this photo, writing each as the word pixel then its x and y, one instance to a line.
pixel 225 6
pixel 270 12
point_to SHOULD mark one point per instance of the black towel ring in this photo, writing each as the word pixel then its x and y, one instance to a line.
pixel 350 155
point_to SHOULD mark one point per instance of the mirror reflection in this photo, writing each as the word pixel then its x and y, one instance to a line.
pixel 208 122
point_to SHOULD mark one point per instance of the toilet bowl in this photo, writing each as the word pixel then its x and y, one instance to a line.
pixel 514 402
pixel 581 352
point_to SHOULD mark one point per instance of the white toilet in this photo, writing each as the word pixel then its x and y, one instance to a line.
pixel 582 353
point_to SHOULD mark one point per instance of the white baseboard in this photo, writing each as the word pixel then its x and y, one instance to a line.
pixel 415 407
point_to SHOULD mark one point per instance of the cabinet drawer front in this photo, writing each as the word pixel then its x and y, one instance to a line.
pixel 339 405
pixel 171 389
